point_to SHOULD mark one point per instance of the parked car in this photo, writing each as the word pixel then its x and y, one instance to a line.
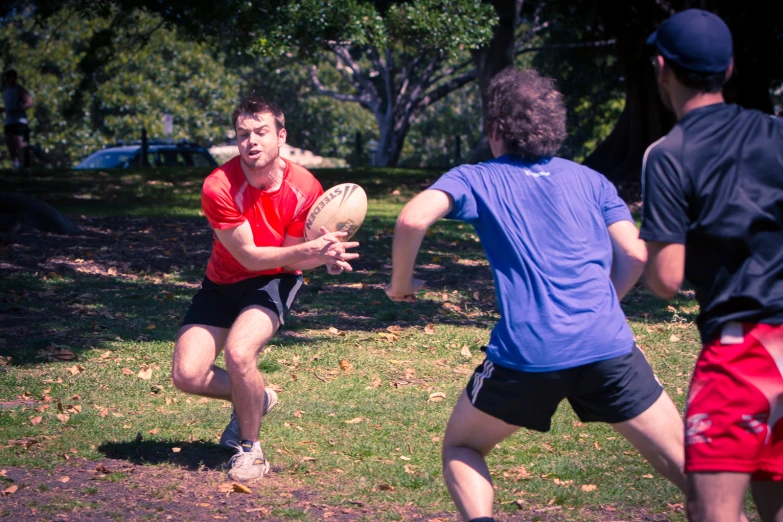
pixel 159 154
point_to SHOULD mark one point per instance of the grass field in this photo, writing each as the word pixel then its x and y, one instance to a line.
pixel 87 329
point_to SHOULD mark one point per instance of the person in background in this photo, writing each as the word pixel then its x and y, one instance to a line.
pixel 16 101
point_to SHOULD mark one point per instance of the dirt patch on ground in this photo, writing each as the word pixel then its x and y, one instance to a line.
pixel 108 489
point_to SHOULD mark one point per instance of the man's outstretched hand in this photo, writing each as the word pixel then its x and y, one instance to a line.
pixel 333 251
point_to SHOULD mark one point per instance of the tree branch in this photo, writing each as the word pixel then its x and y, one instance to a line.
pixel 444 89
pixel 448 72
pixel 575 45
pixel 356 69
pixel 360 99
pixel 349 78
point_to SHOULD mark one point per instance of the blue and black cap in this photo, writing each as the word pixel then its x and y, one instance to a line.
pixel 695 40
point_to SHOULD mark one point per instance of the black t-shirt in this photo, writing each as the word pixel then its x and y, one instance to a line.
pixel 715 184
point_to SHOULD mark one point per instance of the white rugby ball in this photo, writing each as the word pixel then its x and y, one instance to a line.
pixel 342 208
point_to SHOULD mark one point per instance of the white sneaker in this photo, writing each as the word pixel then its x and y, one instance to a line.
pixel 248 465
pixel 231 437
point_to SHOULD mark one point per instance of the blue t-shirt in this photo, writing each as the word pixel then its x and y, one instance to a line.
pixel 543 227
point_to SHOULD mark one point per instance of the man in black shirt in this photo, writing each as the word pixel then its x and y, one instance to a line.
pixel 713 214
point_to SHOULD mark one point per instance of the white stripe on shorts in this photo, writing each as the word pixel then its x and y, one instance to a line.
pixel 478 381
pixel 292 293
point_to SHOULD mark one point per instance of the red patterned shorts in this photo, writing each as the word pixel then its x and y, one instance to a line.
pixel 735 404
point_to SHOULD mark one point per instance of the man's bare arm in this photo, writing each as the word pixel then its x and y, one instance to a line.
pixel 416 217
pixel 665 269
pixel 629 256
pixel 239 242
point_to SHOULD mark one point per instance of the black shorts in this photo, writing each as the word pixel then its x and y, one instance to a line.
pixel 614 390
pixel 220 305
pixel 17 129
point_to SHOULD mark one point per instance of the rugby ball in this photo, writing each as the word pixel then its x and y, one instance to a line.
pixel 341 209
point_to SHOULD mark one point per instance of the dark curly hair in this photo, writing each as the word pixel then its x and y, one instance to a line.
pixel 256 105
pixel 528 112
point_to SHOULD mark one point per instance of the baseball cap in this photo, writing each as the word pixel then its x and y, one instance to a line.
pixel 696 40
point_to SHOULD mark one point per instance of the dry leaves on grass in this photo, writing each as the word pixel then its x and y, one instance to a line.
pixel 345 365
pixel 127 371
pixel 233 487
pixel 466 352
pixel 437 396
pixel 356 420
pixel 673 339
pixel 589 487
pixel 55 352
pixel 35 421
pixel 76 369
pixel 429 329
pixel 10 490
pixel 375 383
pixel 63 417
pixel 145 374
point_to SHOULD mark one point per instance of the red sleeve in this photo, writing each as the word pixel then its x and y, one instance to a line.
pixel 219 206
pixel 296 227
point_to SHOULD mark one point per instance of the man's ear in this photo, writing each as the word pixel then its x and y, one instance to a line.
pixel 281 136
pixel 730 70
pixel 661 68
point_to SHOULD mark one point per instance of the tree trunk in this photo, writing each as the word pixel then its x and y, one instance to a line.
pixel 752 26
pixel 492 59
pixel 644 119
pixel 391 139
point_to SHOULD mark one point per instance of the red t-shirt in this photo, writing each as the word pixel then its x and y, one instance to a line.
pixel 228 201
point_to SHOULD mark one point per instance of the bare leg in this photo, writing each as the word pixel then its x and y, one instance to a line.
pixel 716 497
pixel 193 369
pixel 769 500
pixel 470 436
pixel 252 330
pixel 659 435
pixel 10 143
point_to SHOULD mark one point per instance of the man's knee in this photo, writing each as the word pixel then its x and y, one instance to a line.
pixel 240 360
pixel 187 379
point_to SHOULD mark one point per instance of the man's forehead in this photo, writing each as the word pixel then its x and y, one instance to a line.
pixel 254 120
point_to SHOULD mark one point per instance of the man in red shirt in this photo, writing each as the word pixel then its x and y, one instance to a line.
pixel 257 204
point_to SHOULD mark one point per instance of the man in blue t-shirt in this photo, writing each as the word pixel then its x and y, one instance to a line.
pixel 563 250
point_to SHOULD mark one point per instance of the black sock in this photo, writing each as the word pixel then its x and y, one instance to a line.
pixel 482 519
pixel 247 445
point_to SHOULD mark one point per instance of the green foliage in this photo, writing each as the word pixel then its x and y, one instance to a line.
pixel 314 122
pixel 445 25
pixel 431 141
pixel 149 71
pixel 309 26
pixel 590 78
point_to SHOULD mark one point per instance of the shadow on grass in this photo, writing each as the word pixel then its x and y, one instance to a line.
pixel 190 455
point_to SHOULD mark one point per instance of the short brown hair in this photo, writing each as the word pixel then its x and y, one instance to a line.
pixel 257 105
pixel 528 112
